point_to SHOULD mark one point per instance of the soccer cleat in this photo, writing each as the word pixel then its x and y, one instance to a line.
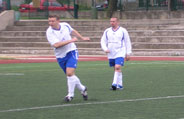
pixel 114 86
pixel 68 99
pixel 119 87
pixel 85 94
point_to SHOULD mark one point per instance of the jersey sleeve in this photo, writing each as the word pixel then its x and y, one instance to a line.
pixel 68 26
pixel 104 40
pixel 127 42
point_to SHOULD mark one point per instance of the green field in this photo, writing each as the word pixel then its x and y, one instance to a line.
pixel 153 90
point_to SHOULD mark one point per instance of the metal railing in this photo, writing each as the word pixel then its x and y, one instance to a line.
pixel 161 4
pixel 180 4
pixel 153 4
pixel 123 5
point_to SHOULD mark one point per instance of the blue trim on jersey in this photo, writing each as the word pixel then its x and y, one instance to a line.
pixel 106 35
pixel 122 40
pixel 57 29
pixel 116 29
pixel 68 28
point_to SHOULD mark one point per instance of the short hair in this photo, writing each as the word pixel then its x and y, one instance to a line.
pixel 54 16
pixel 116 18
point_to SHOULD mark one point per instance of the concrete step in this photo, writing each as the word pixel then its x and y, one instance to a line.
pixel 100 33
pixel 149 39
pixel 46 44
pixel 158 39
pixel 23 39
pixel 97 28
pixel 26 50
pixel 26 28
pixel 140 45
pixel 44 28
pixel 157 33
pixel 37 39
pixel 22 33
pixel 24 44
pixel 90 51
pixel 46 51
pixel 43 33
pixel 135 45
pixel 153 37
pixel 158 52
pixel 103 22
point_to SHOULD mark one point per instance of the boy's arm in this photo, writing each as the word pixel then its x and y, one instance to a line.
pixel 76 33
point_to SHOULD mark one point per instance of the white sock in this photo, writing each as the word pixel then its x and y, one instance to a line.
pixel 120 79
pixel 78 84
pixel 115 80
pixel 71 85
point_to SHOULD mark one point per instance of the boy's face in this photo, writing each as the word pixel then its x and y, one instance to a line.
pixel 53 22
pixel 114 22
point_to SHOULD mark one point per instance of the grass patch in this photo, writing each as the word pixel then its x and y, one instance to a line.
pixel 44 84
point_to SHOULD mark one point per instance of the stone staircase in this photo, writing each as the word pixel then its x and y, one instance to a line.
pixel 149 37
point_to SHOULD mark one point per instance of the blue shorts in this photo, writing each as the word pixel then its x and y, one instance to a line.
pixel 118 61
pixel 70 60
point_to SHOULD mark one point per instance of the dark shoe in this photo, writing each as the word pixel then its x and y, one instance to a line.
pixel 114 86
pixel 85 94
pixel 68 99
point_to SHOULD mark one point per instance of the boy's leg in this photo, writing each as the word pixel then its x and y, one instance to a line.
pixel 120 81
pixel 70 72
pixel 114 81
pixel 119 63
pixel 81 88
pixel 79 84
pixel 117 80
pixel 71 64
pixel 71 81
pixel 117 77
pixel 75 83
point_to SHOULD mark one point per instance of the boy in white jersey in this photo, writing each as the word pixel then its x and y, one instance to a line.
pixel 116 43
pixel 59 36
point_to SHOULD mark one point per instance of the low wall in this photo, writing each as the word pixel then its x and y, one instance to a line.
pixel 6 19
pixel 152 14
pixel 62 14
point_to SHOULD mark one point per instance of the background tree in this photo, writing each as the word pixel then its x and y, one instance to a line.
pixel 27 1
pixel 172 5
pixel 112 6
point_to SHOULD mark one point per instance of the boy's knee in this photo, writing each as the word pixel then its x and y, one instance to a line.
pixel 70 73
pixel 118 68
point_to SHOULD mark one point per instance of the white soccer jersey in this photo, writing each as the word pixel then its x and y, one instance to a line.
pixel 54 36
pixel 118 42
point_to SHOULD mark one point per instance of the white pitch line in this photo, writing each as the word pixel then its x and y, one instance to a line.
pixel 11 74
pixel 91 103
pixel 148 63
